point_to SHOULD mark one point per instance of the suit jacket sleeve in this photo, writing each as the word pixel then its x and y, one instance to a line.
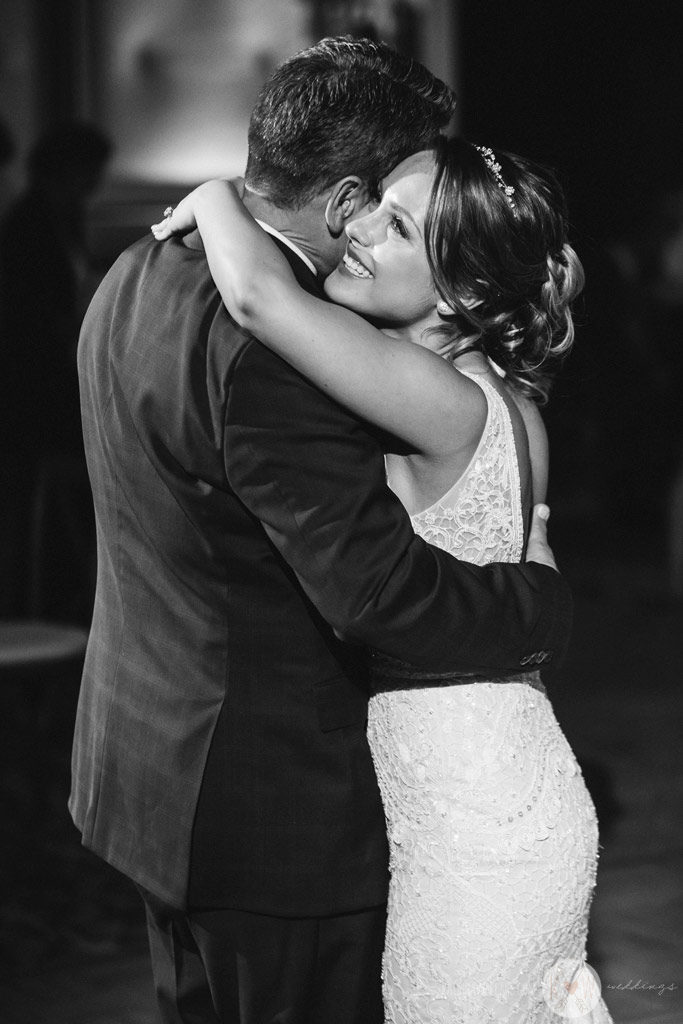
pixel 314 477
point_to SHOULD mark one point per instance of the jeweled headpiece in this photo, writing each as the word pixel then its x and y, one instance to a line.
pixel 494 167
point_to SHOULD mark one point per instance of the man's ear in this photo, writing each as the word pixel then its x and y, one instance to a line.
pixel 347 199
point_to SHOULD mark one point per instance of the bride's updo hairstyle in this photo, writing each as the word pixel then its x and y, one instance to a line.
pixel 498 251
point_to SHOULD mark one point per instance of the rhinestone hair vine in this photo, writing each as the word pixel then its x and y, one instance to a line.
pixel 494 167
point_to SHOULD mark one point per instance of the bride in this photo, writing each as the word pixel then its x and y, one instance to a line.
pixel 464 280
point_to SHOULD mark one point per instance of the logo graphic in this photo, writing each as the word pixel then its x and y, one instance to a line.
pixel 571 988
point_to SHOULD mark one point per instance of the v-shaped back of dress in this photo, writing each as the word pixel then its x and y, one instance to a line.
pixel 480 518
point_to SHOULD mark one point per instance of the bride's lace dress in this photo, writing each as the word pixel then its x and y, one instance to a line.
pixel 492 832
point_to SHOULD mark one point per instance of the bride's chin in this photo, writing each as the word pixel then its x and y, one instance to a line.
pixel 333 284
pixel 343 291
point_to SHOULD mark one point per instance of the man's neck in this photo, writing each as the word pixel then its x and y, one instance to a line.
pixel 306 228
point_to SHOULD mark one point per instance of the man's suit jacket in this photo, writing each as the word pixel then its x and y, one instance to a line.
pixel 220 756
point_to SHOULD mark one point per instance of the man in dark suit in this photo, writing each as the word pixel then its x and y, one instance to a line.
pixel 244 523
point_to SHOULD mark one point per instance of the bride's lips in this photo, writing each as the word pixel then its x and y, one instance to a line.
pixel 354 266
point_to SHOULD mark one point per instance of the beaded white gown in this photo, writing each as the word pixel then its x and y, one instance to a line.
pixel 492 832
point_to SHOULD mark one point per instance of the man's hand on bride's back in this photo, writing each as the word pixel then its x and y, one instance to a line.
pixel 538 549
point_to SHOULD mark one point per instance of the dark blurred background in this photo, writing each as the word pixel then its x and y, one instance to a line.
pixel 108 112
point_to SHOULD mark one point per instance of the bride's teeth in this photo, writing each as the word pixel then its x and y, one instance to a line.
pixel 354 267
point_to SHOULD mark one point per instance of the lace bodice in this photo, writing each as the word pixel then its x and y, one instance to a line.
pixel 492 833
pixel 480 518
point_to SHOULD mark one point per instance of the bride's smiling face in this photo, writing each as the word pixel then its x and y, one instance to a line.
pixel 384 274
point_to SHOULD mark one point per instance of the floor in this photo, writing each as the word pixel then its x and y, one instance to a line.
pixel 72 943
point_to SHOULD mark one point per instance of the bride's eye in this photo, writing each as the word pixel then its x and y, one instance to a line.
pixel 398 226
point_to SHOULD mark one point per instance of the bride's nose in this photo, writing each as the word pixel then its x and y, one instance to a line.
pixel 360 230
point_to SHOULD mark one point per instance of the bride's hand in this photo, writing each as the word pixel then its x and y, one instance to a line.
pixel 178 220
pixel 181 219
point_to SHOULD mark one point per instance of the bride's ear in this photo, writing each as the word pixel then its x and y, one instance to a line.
pixel 347 199
pixel 470 302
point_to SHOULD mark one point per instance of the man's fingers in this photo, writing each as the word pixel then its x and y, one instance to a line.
pixel 538 549
pixel 542 512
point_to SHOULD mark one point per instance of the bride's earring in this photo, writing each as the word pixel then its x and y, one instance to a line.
pixel 443 309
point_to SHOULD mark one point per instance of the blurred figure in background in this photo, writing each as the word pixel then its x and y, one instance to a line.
pixel 616 420
pixel 8 151
pixel 667 300
pixel 46 282
pixel 649 259
pixel 7 154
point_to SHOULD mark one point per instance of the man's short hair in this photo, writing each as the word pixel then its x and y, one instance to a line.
pixel 343 106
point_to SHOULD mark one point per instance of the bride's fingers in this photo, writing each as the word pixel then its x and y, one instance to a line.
pixel 178 220
pixel 173 222
pixel 163 230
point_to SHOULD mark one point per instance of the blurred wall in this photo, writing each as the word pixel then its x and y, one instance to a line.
pixel 175 80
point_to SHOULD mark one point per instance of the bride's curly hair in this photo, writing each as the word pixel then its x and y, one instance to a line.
pixel 503 263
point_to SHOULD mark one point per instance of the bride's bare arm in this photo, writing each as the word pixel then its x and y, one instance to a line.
pixel 538 447
pixel 402 387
